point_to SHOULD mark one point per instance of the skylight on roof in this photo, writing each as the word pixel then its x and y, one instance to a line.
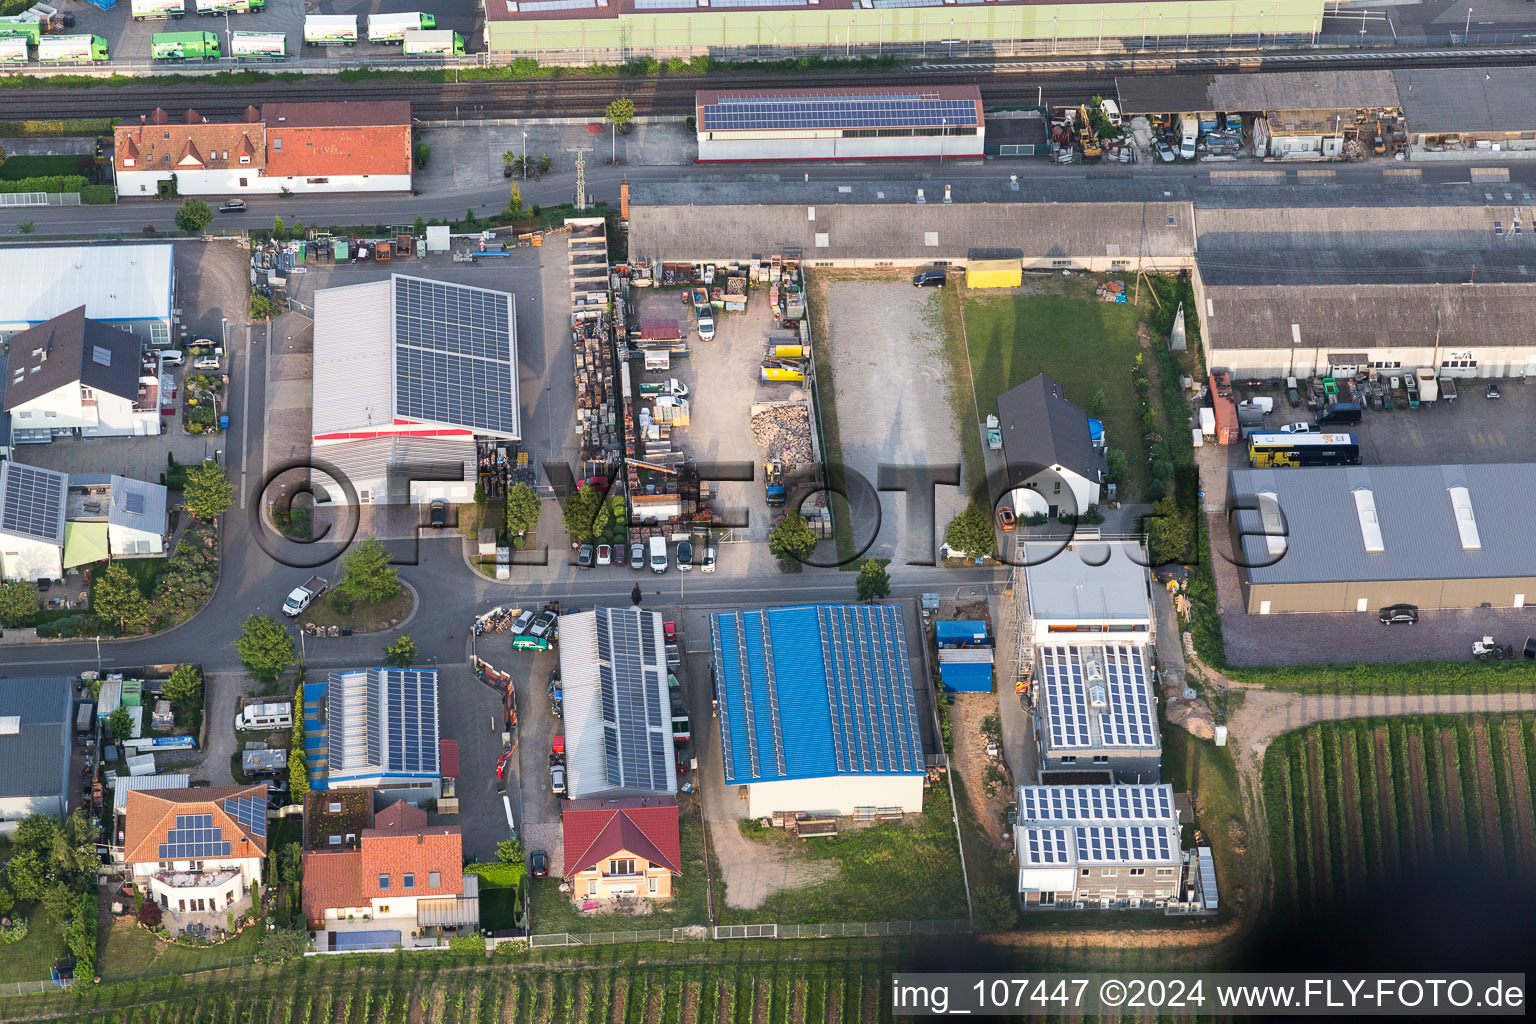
pixel 1370 526
pixel 1274 524
pixel 102 356
pixel 1466 521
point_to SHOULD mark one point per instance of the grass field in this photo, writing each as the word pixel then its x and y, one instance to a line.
pixel 32 958
pixel 897 871
pixel 18 167
pixel 1356 805
pixel 133 951
pixel 1206 770
pixel 1061 330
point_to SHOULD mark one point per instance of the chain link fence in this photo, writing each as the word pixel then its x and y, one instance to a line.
pixel 728 932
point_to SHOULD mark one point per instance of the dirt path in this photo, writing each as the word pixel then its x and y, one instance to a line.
pixel 1386 805
pixel 1520 797
pixel 752 872
pixel 1489 819
pixel 1418 794
pixel 1455 806
pixel 971 762
pixel 1349 796
pixel 1317 805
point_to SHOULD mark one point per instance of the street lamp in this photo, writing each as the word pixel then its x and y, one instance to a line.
pixel 1468 30
pixel 525 156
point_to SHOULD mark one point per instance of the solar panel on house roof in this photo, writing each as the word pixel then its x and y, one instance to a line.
pixel 556 5
pixel 1066 704
pixel 1045 846
pixel 1127 720
pixel 194 836
pixel 249 812
pixel 100 355
pixel 34 500
pixel 134 502
pixel 759 3
pixel 665 5
pixel 769 113
pixel 455 361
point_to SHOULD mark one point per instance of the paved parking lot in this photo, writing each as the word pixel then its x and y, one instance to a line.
pixel 470 712
pixel 887 353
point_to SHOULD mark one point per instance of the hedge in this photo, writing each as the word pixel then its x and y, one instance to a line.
pixel 64 183
pixel 98 195
pixel 62 126
pixel 504 875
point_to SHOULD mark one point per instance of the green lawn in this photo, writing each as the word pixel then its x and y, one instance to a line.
pixel 32 958
pixel 554 911
pixel 1206 770
pixel 498 907
pixel 890 872
pixel 1063 331
pixel 18 167
pixel 131 951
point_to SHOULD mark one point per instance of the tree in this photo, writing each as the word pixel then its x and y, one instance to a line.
pixel 26 227
pixel 277 227
pixel 265 648
pixel 120 724
pixel 18 604
pixel 873 582
pixel 281 944
pixel 970 533
pixel 515 202
pixel 1169 533
pixel 82 935
pixel 185 685
pixel 585 513
pixel 366 573
pixel 298 771
pixel 523 508
pixel 792 540
pixel 1115 465
pixel 1099 405
pixel 401 653
pixel 32 867
pixel 423 155
pixel 545 163
pixel 509 162
pixel 2 156
pixel 193 215
pixel 117 599
pixel 621 113
pixel 420 227
pixel 509 851
pixel 995 909
pixel 207 492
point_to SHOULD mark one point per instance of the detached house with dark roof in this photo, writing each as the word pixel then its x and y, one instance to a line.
pixel 1054 468
pixel 625 847
pixel 73 375
pixel 345 146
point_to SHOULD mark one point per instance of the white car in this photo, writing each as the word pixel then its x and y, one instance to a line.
pixel 205 363
pixel 708 565
pixel 1165 152
pixel 1296 428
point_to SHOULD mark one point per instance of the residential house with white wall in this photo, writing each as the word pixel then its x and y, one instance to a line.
pixel 1053 467
pixel 74 376
pixel 31 522
pixel 196 852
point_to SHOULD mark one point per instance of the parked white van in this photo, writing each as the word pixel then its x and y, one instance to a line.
pixel 265 717
pixel 658 554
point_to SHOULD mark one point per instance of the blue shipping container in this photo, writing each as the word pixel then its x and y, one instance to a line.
pixel 966 676
pixel 961 631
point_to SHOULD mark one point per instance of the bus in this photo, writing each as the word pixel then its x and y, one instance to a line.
pixel 1268 451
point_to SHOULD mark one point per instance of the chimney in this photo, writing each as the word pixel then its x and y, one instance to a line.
pixel 947 198
pixel 624 199
pixel 418 839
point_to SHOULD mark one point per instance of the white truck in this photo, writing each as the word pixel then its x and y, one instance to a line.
pixel 330 29
pixel 391 28
pixel 230 6
pixel 1189 135
pixel 13 50
pixel 159 9
pixel 71 48
pixel 301 597
pixel 416 43
pixel 262 45
pixel 265 717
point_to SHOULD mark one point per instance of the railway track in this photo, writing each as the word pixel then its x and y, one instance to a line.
pixel 1059 79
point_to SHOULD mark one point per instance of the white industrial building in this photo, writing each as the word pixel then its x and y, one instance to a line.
pixel 1088 586
pixel 840 124
pixel 1098 846
pixel 817 709
pixel 73 376
pixel 31 522
pixel 618 724
pixel 130 287
pixel 407 373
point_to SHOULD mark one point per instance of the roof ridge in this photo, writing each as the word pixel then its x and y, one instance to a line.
pixel 639 827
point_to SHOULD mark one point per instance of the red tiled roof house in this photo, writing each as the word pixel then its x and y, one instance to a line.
pixel 346 146
pixel 626 847
pixel 404 880
pixel 196 851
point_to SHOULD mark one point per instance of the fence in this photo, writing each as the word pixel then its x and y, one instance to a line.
pixel 728 932
pixel 39 199
pixel 28 988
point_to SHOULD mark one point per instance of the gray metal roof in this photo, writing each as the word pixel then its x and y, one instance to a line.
pixel 1042 429
pixel 1369 266
pixel 352 366
pixel 1275 226
pixel 137 505
pixel 1252 93
pixel 1162 94
pixel 1089 579
pixel 115 283
pixel 35 760
pixel 67 349
pixel 1420 539
pixel 1362 317
pixel 368 461
pixel 126 784
pixel 32 502
pixel 1468 99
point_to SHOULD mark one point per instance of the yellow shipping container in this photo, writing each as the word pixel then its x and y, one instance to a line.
pixel 994 274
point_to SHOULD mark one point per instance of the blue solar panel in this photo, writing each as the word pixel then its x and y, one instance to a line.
pixel 764 113
pixel 194 837
pixel 631 685
pixel 248 812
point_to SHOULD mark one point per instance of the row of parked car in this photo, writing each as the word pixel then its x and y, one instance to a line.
pixel 636 556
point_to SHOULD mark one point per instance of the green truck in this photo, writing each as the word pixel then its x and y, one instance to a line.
pixel 72 49
pixel 31 28
pixel 184 46
pixel 442 43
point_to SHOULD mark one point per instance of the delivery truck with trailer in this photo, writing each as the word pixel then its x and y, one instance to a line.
pixel 184 46
pixel 230 6
pixel 330 29
pixel 13 50
pixel 432 44
pixel 28 27
pixel 258 45
pixel 72 49
pixel 391 28
pixel 143 9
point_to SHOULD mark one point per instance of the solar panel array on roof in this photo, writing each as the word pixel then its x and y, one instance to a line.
pixel 33 502
pixel 1125 843
pixel 410 720
pixel 884 4
pixel 770 113
pixel 556 5
pixel 249 812
pixel 382 720
pixel 665 5
pixel 1096 803
pixel 631 678
pixel 1044 846
pixel 134 502
pixel 759 3
pixel 1127 722
pixel 194 836
pixel 1061 671
pixel 102 356
pixel 455 362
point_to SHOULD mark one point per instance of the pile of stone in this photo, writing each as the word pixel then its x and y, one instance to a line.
pixel 784 430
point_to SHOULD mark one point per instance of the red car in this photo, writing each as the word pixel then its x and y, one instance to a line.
pixel 1005 519
pixel 669 629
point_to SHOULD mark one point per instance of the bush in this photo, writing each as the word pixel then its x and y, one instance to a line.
pixel 64 126
pixel 281 944
pixel 98 195
pixel 501 875
pixel 995 909
pixel 18 604
pixel 423 155
pixel 16 932
pixel 340 600
pixel 467 944
pixel 149 914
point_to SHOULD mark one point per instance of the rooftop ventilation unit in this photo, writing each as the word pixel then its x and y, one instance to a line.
pixel 1466 521
pixel 1274 523
pixel 1370 526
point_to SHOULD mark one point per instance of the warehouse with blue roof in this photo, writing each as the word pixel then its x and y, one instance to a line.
pixel 817 707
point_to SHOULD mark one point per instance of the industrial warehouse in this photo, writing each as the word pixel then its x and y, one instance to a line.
pixel 1360 539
